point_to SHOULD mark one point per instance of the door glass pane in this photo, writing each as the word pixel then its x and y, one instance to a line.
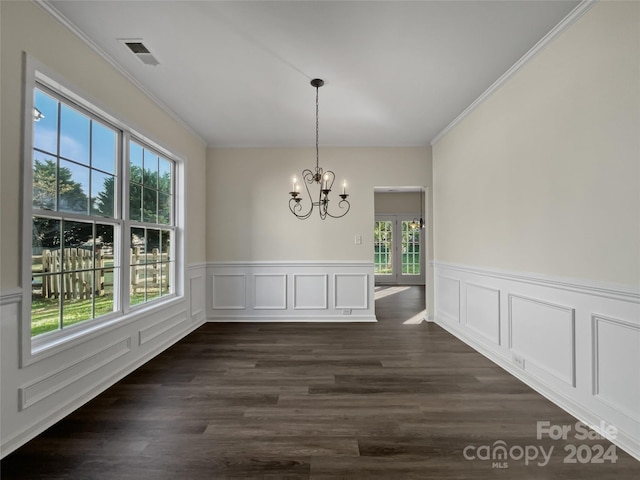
pixel 382 243
pixel 410 249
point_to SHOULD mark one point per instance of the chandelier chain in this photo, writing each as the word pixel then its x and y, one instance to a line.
pixel 317 134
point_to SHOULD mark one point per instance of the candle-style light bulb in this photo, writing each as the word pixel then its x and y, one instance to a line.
pixel 294 181
pixel 326 179
pixel 344 188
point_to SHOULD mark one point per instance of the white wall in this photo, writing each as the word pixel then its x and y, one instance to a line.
pixel 250 231
pixel 397 202
pixel 537 222
pixel 36 396
pixel 248 218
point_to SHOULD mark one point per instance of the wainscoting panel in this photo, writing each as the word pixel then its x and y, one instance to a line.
pixel 576 343
pixel 616 350
pixel 483 311
pixel 450 298
pixel 196 296
pixel 351 290
pixel 543 334
pixel 229 291
pixel 270 291
pixel 310 292
pixel 292 292
pixel 72 372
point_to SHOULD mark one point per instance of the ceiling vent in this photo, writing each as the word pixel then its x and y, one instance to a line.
pixel 140 50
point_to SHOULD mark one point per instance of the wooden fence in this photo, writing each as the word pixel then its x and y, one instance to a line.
pixel 77 268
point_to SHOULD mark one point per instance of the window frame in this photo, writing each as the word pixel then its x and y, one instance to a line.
pixel 33 349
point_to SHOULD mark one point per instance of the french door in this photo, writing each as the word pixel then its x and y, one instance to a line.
pixel 398 250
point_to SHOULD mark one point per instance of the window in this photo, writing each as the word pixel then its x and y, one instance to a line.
pixel 410 249
pixel 102 215
pixel 383 243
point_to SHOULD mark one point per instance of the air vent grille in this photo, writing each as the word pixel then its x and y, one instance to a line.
pixel 137 47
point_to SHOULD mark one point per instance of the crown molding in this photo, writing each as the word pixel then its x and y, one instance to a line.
pixel 51 10
pixel 583 7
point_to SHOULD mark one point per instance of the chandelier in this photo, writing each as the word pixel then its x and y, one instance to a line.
pixel 324 181
pixel 415 223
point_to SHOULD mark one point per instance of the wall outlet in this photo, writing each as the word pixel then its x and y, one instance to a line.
pixel 346 311
pixel 519 361
pixel 358 239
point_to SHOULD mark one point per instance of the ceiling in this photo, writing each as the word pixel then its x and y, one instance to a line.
pixel 237 72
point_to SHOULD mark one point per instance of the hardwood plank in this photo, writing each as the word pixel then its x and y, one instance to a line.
pixel 309 401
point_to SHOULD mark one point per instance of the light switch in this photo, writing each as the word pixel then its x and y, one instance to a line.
pixel 358 240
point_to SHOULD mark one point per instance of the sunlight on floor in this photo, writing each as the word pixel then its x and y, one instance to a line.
pixel 381 292
pixel 416 319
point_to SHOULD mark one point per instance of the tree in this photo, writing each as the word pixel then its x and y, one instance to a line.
pixel 51 184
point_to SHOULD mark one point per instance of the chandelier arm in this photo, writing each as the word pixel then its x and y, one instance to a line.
pixel 340 205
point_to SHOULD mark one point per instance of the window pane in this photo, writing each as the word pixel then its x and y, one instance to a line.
pixel 45 241
pixel 165 245
pixel 153 280
pixel 104 256
pixel 150 206
pixel 165 278
pixel 45 309
pixel 44 181
pixel 78 250
pixel 77 304
pixel 153 245
pixel 150 169
pixel 104 291
pixel 74 135
pixel 135 202
pixel 138 243
pixel 103 194
pixel 135 162
pixel 103 147
pixel 164 179
pixel 382 241
pixel 164 209
pixel 45 122
pixel 73 185
pixel 137 284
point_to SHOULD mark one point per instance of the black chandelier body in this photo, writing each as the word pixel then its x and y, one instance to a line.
pixel 324 180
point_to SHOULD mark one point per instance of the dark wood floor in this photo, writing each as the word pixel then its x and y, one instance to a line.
pixel 386 400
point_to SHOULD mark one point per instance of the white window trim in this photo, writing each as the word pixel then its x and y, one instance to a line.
pixel 35 349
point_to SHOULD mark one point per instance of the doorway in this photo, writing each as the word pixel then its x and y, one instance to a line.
pixel 398 250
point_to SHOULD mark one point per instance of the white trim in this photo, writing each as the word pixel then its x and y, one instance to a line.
pixel 291 263
pixel 51 10
pixel 570 19
pixel 11 296
pixel 600 289
pixel 55 381
pixel 290 319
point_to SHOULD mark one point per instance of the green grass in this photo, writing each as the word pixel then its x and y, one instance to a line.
pixel 385 269
pixel 45 312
